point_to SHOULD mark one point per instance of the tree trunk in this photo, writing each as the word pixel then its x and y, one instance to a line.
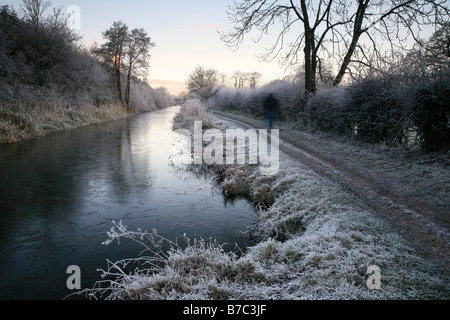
pixel 357 32
pixel 346 62
pixel 118 67
pixel 313 64
pixel 119 85
pixel 310 63
pixel 127 89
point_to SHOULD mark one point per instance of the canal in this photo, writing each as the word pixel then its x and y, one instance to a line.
pixel 60 194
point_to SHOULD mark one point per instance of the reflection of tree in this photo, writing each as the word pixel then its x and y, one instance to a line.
pixel 56 175
pixel 129 173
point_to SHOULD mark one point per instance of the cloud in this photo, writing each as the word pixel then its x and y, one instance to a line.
pixel 204 25
pixel 174 87
pixel 209 26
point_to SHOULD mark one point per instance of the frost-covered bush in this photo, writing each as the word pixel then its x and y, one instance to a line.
pixel 325 111
pixel 432 114
pixel 406 105
pixel 191 111
pixel 226 98
pixel 162 98
pixel 290 96
pixel 43 66
pixel 378 110
pixel 141 96
pixel 144 98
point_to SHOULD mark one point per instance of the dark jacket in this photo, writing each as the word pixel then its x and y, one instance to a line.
pixel 271 104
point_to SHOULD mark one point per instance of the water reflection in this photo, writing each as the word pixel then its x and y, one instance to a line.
pixel 59 195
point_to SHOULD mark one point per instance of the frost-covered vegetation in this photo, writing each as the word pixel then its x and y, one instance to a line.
pixel 250 100
pixel 192 110
pixel 399 108
pixel 393 108
pixel 315 241
pixel 48 82
pixel 403 102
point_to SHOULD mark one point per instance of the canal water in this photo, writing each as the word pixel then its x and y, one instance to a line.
pixel 60 194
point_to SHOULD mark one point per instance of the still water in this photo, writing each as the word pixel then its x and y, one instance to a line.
pixel 60 194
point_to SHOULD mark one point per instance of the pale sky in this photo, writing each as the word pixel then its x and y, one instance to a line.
pixel 185 33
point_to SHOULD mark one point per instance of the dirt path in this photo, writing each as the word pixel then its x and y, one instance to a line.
pixel 425 226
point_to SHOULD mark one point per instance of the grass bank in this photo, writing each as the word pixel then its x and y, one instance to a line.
pixel 22 125
pixel 315 241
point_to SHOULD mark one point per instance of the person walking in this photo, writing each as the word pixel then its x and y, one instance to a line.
pixel 271 105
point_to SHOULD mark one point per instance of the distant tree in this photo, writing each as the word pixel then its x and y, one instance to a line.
pixel 242 78
pixel 163 98
pixel 237 77
pixel 202 81
pixel 137 53
pixel 351 32
pixel 222 78
pixel 427 60
pixel 112 51
pixel 437 48
pixel 254 78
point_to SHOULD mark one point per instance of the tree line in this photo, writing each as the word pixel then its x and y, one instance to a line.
pixel 44 64
pixel 202 81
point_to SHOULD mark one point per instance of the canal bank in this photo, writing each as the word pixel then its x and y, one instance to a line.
pixel 22 125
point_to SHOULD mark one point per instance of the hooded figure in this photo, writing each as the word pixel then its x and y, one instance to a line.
pixel 271 105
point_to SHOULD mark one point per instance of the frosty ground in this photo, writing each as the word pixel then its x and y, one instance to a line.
pixel 315 241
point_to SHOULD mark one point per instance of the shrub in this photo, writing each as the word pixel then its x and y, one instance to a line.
pixel 432 116
pixel 191 111
pixel 325 111
pixel 377 110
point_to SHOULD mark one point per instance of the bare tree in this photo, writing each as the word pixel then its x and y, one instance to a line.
pixel 237 77
pixel 349 32
pixel 241 78
pixel 202 81
pixel 253 79
pixel 33 11
pixel 137 54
